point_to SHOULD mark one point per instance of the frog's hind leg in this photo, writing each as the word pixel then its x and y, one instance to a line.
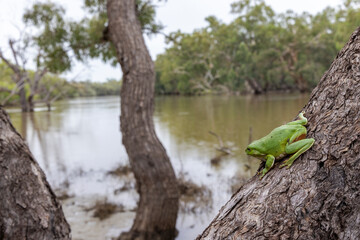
pixel 297 148
pixel 270 160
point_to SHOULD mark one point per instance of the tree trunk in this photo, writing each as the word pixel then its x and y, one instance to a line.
pixel 31 105
pixel 28 207
pixel 155 178
pixel 318 197
pixel 23 101
pixel 48 104
pixel 301 83
pixel 34 87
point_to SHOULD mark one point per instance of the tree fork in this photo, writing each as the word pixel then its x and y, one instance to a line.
pixel 28 207
pixel 155 177
pixel 318 197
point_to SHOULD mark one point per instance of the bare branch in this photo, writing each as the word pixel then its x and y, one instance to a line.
pixel 77 75
pixel 34 85
pixel 11 44
pixel 2 89
pixel 15 68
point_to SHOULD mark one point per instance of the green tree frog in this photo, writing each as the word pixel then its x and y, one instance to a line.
pixel 284 140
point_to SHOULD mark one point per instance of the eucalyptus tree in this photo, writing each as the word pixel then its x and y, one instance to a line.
pixel 260 50
pixel 159 195
pixel 51 89
pixel 20 74
pixel 46 49
pixel 112 31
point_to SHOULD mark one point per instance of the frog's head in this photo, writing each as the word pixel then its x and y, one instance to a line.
pixel 253 151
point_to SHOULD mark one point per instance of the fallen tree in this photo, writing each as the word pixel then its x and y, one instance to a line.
pixel 29 208
pixel 318 197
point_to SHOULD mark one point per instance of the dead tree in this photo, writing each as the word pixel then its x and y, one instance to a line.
pixel 318 197
pixel 155 178
pixel 21 74
pixel 29 208
pixel 34 86
pixel 48 96
pixel 19 77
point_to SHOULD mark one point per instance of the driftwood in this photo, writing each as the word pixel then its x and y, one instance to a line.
pixel 222 148
pixel 318 197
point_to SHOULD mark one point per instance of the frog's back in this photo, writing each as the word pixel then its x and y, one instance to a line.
pixel 286 130
pixel 275 142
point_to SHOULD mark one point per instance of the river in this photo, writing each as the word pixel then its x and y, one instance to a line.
pixel 79 142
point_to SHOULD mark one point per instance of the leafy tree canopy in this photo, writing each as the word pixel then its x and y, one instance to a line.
pixel 260 49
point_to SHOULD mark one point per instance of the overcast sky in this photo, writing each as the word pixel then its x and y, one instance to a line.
pixel 185 15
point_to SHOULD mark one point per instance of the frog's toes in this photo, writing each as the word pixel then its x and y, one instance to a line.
pixel 288 166
pixel 283 165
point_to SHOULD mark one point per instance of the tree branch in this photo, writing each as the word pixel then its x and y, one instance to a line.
pixel 14 53
pixel 13 67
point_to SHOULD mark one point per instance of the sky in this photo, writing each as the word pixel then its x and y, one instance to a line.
pixel 184 15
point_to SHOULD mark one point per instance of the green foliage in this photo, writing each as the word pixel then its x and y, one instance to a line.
pixel 277 51
pixel 58 38
pixel 48 19
pixel 91 89
pixel 145 11
pixel 146 15
pixel 6 84
pixel 89 37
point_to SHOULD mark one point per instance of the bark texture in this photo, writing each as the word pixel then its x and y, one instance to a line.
pixel 155 178
pixel 28 207
pixel 318 197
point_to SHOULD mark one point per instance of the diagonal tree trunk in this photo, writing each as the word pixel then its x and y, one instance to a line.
pixel 318 197
pixel 28 207
pixel 155 178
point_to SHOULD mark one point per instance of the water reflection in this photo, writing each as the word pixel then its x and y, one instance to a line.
pixel 79 142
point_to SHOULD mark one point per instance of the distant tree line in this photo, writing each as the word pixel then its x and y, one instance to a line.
pixel 258 51
pixel 52 87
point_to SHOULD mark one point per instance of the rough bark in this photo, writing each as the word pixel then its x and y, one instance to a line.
pixel 28 207
pixel 318 197
pixel 155 178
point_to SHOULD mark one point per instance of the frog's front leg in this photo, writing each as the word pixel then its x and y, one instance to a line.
pixel 297 148
pixel 270 160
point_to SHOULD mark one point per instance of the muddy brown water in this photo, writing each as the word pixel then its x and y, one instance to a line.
pixel 79 142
